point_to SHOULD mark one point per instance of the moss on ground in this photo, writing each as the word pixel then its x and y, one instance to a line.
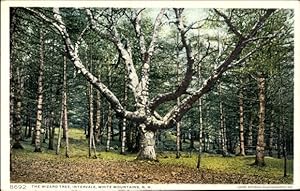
pixel 215 164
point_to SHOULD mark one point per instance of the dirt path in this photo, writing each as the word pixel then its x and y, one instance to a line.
pixel 103 171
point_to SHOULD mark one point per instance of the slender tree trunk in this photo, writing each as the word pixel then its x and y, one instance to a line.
pixel 279 141
pixel 26 126
pixel 178 137
pixel 271 134
pixel 283 130
pixel 129 138
pixel 147 143
pixel 22 82
pixel 109 117
pixel 92 144
pixel 178 99
pixel 16 88
pixel 29 126
pixel 284 147
pixel 260 146
pixel 65 110
pixel 200 110
pixel 192 140
pixel 109 128
pixel 17 111
pixel 200 133
pixel 33 136
pixel 123 137
pixel 285 157
pixel 241 106
pixel 204 141
pixel 51 132
pixel 63 126
pixel 85 130
pixel 91 122
pixel 39 115
pixel 91 113
pixel 225 135
pixel 11 74
pixel 222 124
pixel 60 130
pixel 250 136
pixel 208 145
pixel 98 115
pixel 91 134
pixel 52 114
pixel 45 129
pixel 181 140
pixel 64 132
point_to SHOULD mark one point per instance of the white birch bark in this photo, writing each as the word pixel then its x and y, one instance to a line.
pixel 39 114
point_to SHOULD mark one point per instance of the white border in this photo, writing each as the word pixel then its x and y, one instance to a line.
pixel 153 4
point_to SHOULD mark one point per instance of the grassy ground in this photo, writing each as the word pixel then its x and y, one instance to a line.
pixel 111 167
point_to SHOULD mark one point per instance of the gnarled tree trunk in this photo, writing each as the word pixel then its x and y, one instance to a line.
pixel 147 144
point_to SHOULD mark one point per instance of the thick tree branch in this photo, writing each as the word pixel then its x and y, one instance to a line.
pixel 60 26
pixel 125 53
pixel 79 66
pixel 127 57
pixel 154 38
pixel 144 83
pixel 162 98
pixel 177 112
pixel 140 35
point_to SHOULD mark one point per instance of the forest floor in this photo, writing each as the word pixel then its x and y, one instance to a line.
pixel 111 167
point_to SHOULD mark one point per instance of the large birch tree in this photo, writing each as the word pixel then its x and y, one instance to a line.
pixel 105 22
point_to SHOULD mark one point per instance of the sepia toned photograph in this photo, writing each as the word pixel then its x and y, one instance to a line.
pixel 135 97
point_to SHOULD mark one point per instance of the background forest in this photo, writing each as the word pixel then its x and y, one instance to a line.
pixel 206 92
